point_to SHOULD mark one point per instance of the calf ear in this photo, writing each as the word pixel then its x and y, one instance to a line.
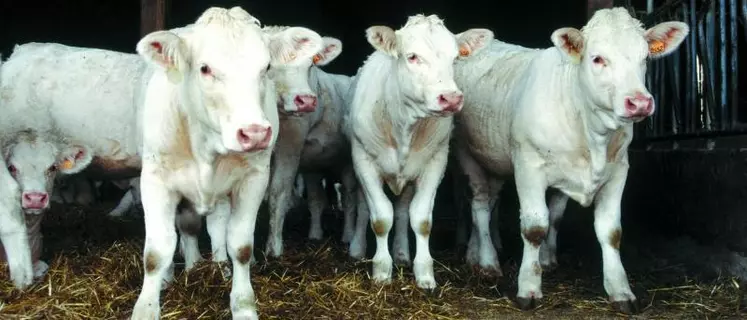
pixel 382 38
pixel 473 40
pixel 665 37
pixel 74 158
pixel 569 41
pixel 293 44
pixel 168 50
pixel 331 48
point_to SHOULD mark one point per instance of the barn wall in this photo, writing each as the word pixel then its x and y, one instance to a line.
pixel 699 190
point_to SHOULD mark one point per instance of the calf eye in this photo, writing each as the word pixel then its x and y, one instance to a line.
pixel 599 61
pixel 205 70
pixel 413 58
pixel 12 169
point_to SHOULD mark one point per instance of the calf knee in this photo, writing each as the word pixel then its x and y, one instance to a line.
pixel 381 226
pixel 535 234
pixel 422 228
pixel 244 254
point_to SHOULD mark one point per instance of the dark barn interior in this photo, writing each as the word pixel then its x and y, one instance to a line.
pixel 684 246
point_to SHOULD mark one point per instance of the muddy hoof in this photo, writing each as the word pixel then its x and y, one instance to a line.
pixel 526 303
pixel 626 306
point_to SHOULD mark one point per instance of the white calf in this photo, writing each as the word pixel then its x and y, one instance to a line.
pixel 33 160
pixel 210 126
pixel 400 123
pixel 308 142
pixel 560 118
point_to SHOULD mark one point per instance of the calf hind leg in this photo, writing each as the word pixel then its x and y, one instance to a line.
pixel 401 215
pixel 480 251
pixel 317 203
pixel 350 185
pixel 548 250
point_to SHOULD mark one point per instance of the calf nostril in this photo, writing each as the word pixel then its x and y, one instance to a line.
pixel 243 137
pixel 629 105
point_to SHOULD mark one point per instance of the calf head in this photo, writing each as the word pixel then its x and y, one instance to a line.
pixel 34 160
pixel 292 79
pixel 611 52
pixel 219 65
pixel 424 50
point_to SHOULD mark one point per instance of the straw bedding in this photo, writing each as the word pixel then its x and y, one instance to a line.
pixel 96 272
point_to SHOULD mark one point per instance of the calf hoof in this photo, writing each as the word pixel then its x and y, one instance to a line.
pixel 626 306
pixel 526 303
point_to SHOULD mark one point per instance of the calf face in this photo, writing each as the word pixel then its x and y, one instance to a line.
pixel 292 80
pixel 35 159
pixel 425 51
pixel 219 64
pixel 612 50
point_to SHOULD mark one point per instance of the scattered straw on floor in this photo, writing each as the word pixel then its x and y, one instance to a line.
pixel 96 273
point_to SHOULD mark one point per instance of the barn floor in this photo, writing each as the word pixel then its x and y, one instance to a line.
pixel 96 272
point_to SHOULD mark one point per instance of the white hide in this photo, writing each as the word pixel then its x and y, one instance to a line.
pixel 308 143
pixel 400 124
pixel 208 84
pixel 557 118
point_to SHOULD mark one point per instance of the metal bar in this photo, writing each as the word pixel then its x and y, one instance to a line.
pixel 709 70
pixel 734 63
pixel 692 53
pixel 723 89
pixel 152 16
pixel 743 9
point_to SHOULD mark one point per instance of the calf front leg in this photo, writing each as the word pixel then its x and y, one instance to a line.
pixel 159 209
pixel 246 201
pixel 349 185
pixel 381 212
pixel 124 205
pixel 607 214
pixel 548 250
pixel 401 215
pixel 530 186
pixel 480 250
pixel 421 218
pixel 15 241
pixel 317 203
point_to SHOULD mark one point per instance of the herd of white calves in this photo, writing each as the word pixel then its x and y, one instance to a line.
pixel 215 117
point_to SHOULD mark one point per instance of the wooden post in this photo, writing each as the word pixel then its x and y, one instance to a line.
pixel 152 16
pixel 594 5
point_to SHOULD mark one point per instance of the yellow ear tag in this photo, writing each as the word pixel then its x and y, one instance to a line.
pixel 317 58
pixel 656 46
pixel 173 75
pixel 67 164
pixel 463 51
